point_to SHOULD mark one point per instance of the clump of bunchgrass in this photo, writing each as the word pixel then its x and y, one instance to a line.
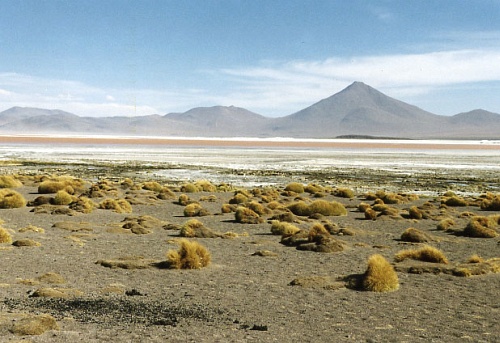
pixel 415 235
pixel 11 199
pixel 481 227
pixel 63 198
pixel 205 186
pixel 445 224
pixel 246 215
pixel 195 210
pixel 9 181
pixel 415 213
pixel 344 193
pixel 191 255
pixel 5 236
pixel 295 187
pixel 283 228
pixel 55 184
pixel 426 253
pixel 455 201
pixel 380 275
pixel 117 205
pixel 323 207
pixel 152 186
pixel 317 230
pixel 491 204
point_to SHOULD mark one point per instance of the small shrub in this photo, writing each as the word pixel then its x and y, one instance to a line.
pixel 189 188
pixel 415 213
pixel 245 215
pixel 492 204
pixel 283 228
pixel 326 208
pixel 316 230
pixel 475 259
pixel 183 200
pixel 83 205
pixel 191 255
pixel 257 208
pixel 455 201
pixel 11 199
pixel 152 186
pixel 380 275
pixel 445 224
pixel 8 181
pixel 313 188
pixel 195 210
pixel 295 187
pixel 205 186
pixel 238 198
pixel 363 206
pixel 119 206
pixel 425 254
pixel 370 214
pixel 344 193
pixel 227 208
pixel 299 208
pixel 415 235
pixel 5 236
pixel 63 198
pixel 481 227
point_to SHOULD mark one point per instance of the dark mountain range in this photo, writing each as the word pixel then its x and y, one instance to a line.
pixel 358 110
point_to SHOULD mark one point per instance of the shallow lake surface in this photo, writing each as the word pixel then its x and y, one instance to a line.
pixel 260 165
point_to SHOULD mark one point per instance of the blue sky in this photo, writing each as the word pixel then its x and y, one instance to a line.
pixel 273 57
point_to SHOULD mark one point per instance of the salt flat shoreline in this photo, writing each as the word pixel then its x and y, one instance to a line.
pixel 255 142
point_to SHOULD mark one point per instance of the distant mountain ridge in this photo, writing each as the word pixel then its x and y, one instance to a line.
pixel 358 110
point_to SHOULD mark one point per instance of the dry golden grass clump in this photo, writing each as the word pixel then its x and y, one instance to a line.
pixel 189 188
pixel 205 186
pixel 55 184
pixel 491 204
pixel 9 181
pixel 83 204
pixel 475 259
pixel 34 325
pixel 380 275
pixel 316 230
pixel 283 228
pixel 415 213
pixel 228 208
pixel 415 236
pixel 191 255
pixel 195 210
pixel 195 228
pixel 363 206
pixel 313 188
pixel 257 208
pixel 11 199
pixel 117 205
pixel 455 201
pixel 344 193
pixel 63 198
pixel 323 207
pixel 370 214
pixel 5 236
pixel 426 253
pixel 295 187
pixel 152 186
pixel 481 227
pixel 445 224
pixel 239 198
pixel 245 215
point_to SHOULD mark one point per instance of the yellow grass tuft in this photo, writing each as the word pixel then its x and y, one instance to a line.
pixel 11 199
pixel 344 193
pixel 380 275
pixel 481 227
pixel 245 215
pixel 316 230
pixel 119 206
pixel 283 228
pixel 415 235
pixel 63 198
pixel 191 255
pixel 326 208
pixel 9 181
pixel 295 187
pixel 5 236
pixel 445 224
pixel 427 254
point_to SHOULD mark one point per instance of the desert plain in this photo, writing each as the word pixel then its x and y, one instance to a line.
pixel 89 256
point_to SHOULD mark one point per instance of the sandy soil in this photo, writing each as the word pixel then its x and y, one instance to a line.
pixel 287 295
